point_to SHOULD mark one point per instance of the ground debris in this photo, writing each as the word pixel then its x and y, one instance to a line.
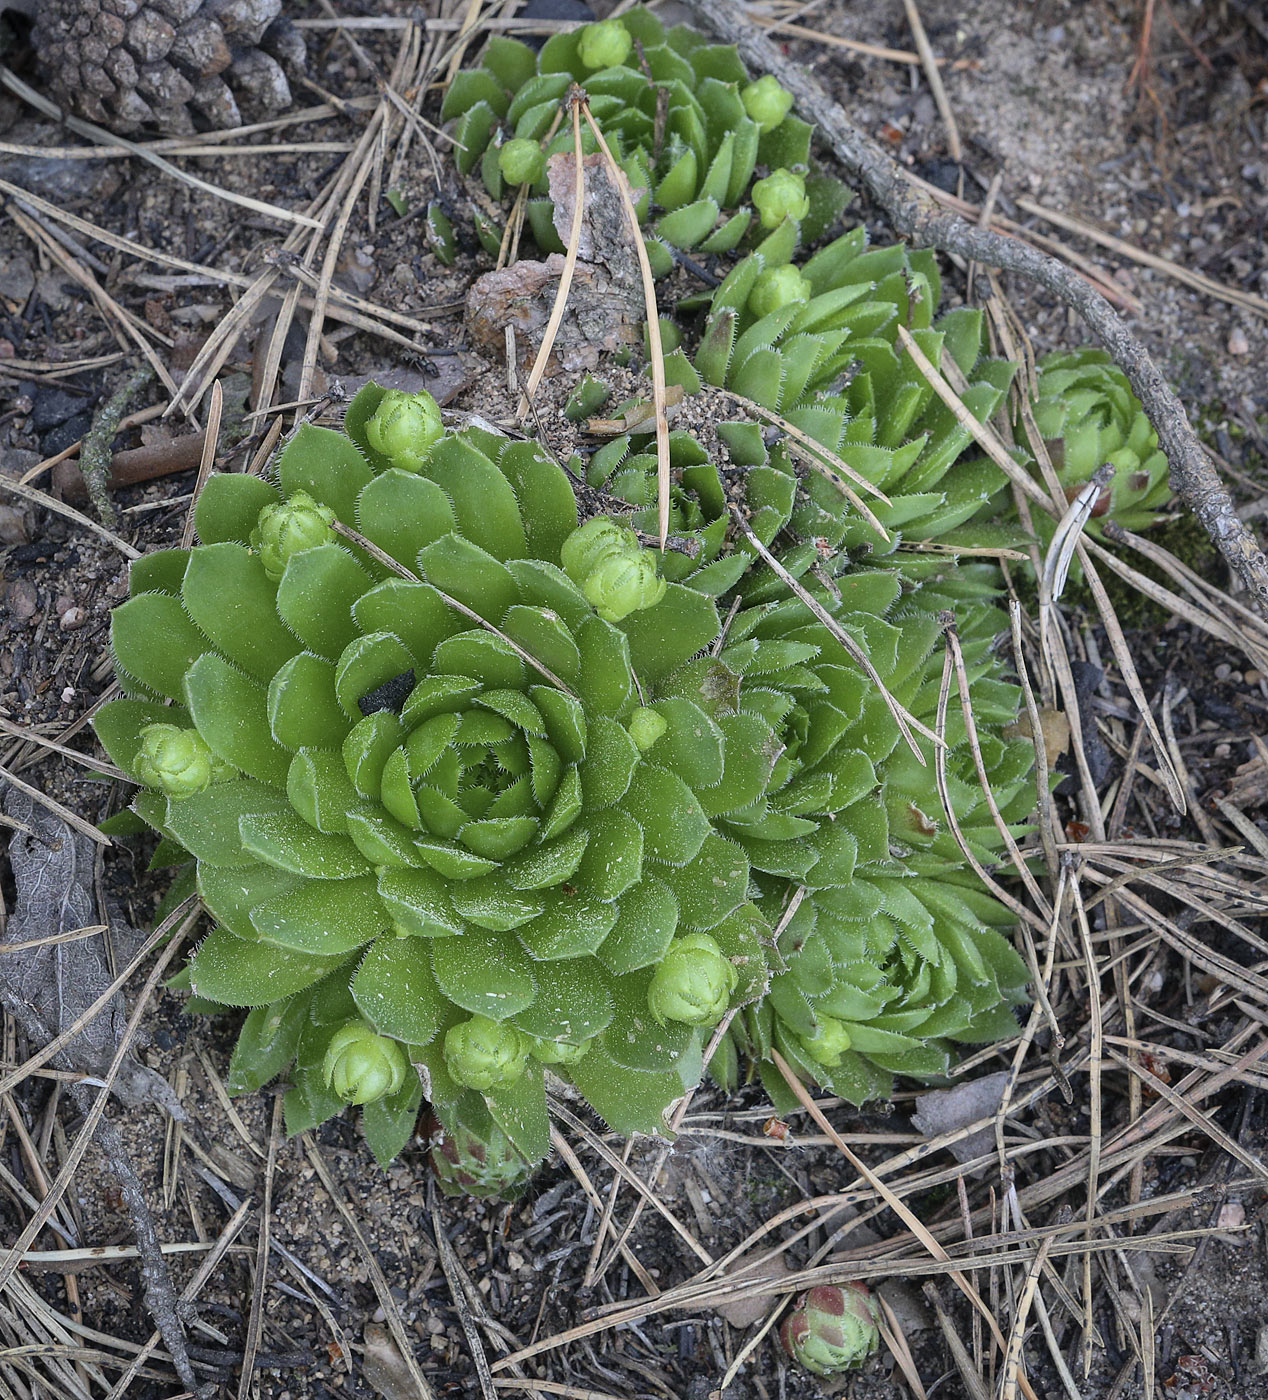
pixel 605 308
pixel 46 988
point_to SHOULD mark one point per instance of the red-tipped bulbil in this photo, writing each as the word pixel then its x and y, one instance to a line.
pixel 832 1328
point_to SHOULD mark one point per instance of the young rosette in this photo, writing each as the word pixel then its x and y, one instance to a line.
pixel 893 950
pixel 680 115
pixel 1088 416
pixel 441 829
pixel 474 1159
pixel 832 1328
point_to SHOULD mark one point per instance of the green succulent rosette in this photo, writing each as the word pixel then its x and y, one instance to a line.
pixel 1088 416
pixel 894 951
pixel 823 361
pixel 679 113
pixel 436 813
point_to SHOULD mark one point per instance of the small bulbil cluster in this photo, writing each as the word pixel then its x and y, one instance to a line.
pixel 832 1328
pixel 1088 416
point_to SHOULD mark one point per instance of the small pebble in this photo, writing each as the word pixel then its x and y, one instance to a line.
pixel 72 619
pixel 1223 671
pixel 1238 344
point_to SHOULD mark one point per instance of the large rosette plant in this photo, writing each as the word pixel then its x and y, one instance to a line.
pixel 440 812
pixel 472 789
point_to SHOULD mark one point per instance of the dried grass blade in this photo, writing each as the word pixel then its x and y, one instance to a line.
pixel 1197 280
pixel 100 136
pixel 1023 912
pixel 1065 538
pixel 12 1258
pixel 569 267
pixel 929 63
pixel 85 828
pixel 631 1178
pixel 573 1163
pixel 1127 666
pixel 387 1301
pixel 211 440
pixel 896 1204
pixel 985 436
pixel 657 355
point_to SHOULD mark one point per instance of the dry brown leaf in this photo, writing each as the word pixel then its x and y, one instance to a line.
pixel 605 309
pixel 752 1308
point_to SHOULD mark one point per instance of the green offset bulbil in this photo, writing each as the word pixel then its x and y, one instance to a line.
pixel 832 1328
pixel 460 817
pixel 1088 416
pixel 681 116
pixel 474 1158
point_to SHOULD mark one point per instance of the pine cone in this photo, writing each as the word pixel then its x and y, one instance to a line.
pixel 168 65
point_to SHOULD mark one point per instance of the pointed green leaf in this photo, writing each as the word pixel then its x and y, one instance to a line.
pixel 237 972
pixel 394 990
pixel 711 886
pixel 229 507
pixel 388 1123
pixel 411 611
pixel 316 595
pixel 155 641
pixel 465 571
pixel 674 827
pixel 613 860
pixel 628 1100
pixel 328 466
pixel 573 1002
pixel 327 918
pixel 231 712
pixel 484 503
pixel 485 973
pixel 366 664
pixel 287 841
pixel 229 596
pixel 266 1044
pixel 303 710
pixel 663 637
pixel 570 926
pixel 546 500
pixel 610 761
pixel 320 790
pixel 206 824
pixel 159 572
pixel 519 1109
pixel 641 936
pixel 231 892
